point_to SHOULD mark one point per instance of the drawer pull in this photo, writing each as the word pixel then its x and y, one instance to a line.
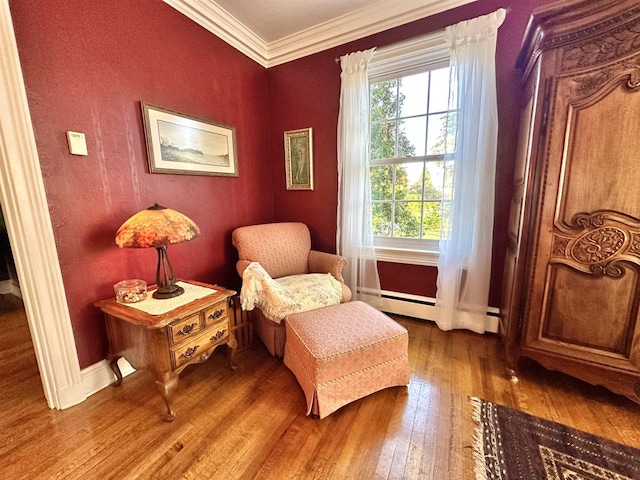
pixel 218 335
pixel 217 314
pixel 187 329
pixel 190 352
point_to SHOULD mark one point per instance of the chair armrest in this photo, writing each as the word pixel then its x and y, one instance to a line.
pixel 346 294
pixel 241 265
pixel 321 262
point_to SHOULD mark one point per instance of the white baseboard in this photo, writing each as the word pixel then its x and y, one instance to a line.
pixel 417 306
pixel 99 375
pixel 10 286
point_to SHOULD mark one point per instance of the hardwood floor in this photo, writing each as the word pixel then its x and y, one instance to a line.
pixel 251 423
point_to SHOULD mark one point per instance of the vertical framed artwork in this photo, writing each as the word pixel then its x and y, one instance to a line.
pixel 181 144
pixel 298 159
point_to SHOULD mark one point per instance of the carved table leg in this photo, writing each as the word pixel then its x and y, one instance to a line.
pixel 166 388
pixel 113 363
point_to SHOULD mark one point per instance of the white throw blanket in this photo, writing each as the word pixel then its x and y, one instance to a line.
pixel 287 295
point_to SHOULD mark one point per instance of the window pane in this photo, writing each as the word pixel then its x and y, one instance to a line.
pixel 381 182
pixel 409 181
pixel 434 181
pixel 407 220
pixel 432 220
pixel 446 211
pixel 439 94
pixel 381 219
pixel 412 137
pixel 451 122
pixel 448 179
pixel 414 90
pixel 383 140
pixel 437 135
pixel 384 100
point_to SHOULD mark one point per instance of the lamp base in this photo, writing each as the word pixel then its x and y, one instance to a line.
pixel 168 291
pixel 167 288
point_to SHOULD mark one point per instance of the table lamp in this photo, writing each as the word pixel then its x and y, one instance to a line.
pixel 158 227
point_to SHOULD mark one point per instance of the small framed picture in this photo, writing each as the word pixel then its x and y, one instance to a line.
pixel 298 159
pixel 180 144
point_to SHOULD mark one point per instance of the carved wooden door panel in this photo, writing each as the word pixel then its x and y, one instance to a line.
pixel 585 295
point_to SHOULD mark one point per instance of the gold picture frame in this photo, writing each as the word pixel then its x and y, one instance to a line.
pixel 298 156
pixel 181 144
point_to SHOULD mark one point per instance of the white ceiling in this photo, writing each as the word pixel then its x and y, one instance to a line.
pixel 272 20
pixel 277 31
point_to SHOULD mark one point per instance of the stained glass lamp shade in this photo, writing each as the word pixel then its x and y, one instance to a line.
pixel 158 227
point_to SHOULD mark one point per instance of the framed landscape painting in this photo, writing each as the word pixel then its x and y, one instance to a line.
pixel 298 156
pixel 180 144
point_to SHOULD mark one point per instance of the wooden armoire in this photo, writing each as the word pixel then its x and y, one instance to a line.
pixel 572 277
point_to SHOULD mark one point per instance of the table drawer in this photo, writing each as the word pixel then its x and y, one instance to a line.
pixel 206 339
pixel 216 313
pixel 184 328
pixel 219 331
pixel 191 349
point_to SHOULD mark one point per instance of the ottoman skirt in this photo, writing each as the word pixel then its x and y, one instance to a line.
pixel 345 352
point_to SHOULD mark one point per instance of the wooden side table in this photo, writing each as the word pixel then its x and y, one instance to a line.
pixel 186 331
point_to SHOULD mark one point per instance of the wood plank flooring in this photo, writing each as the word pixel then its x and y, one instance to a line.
pixel 251 423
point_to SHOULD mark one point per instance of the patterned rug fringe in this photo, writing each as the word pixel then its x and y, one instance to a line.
pixel 478 448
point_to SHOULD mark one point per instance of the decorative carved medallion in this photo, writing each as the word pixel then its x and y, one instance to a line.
pixel 602 243
pixel 597 245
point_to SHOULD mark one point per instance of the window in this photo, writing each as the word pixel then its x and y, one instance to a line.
pixel 412 137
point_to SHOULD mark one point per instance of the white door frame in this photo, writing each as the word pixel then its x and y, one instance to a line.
pixel 26 214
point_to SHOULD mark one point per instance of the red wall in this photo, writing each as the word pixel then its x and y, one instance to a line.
pixel 306 93
pixel 87 67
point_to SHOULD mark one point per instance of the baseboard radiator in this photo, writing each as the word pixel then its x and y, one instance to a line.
pixel 423 308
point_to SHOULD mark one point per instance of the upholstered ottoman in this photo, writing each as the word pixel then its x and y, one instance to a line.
pixel 345 352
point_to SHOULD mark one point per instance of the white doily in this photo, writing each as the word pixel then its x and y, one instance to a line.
pixel 154 306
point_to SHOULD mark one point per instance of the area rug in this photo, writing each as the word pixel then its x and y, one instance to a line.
pixel 512 445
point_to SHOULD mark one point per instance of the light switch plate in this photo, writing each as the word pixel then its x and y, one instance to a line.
pixel 77 143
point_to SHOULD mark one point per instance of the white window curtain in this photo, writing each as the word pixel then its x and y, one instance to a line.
pixel 464 267
pixel 354 231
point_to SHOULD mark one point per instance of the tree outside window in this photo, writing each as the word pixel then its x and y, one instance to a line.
pixel 412 131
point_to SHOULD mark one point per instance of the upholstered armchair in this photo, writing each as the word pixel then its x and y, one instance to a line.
pixel 283 250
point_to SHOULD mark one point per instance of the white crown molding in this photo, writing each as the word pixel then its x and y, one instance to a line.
pixel 381 16
pixel 361 23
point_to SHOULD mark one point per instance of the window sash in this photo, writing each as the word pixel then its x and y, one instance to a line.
pixel 422 54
